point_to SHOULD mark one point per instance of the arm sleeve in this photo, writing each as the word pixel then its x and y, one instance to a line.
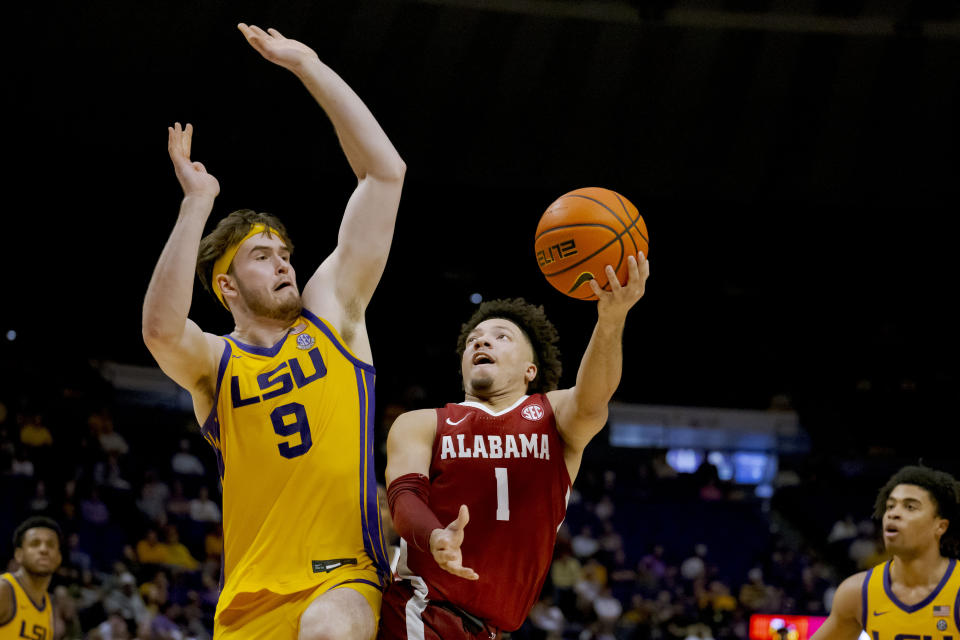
pixel 412 518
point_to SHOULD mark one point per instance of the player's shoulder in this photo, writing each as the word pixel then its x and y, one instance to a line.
pixel 848 598
pixel 8 600
pixel 416 420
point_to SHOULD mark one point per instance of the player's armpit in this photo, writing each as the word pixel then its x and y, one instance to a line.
pixel 844 621
pixel 192 361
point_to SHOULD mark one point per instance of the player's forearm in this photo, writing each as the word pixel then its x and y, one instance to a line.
pixel 600 367
pixel 170 291
pixel 367 147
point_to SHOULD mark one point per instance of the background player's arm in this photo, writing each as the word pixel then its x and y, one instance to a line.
pixel 581 411
pixel 183 351
pixel 7 604
pixel 844 621
pixel 353 270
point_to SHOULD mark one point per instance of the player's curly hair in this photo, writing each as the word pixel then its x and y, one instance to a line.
pixel 229 232
pixel 945 491
pixel 32 523
pixel 536 327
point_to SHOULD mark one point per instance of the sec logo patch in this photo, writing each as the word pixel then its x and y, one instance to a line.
pixel 532 412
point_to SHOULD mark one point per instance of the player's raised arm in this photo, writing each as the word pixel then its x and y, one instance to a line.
pixel 409 450
pixel 582 410
pixel 844 622
pixel 181 349
pixel 353 270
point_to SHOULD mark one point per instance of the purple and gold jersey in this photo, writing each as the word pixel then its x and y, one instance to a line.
pixel 936 617
pixel 31 620
pixel 292 427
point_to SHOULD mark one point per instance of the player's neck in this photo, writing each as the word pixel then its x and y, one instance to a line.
pixel 260 332
pixel 498 400
pixel 926 567
pixel 35 586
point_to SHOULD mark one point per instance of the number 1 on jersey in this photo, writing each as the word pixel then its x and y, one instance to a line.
pixel 503 494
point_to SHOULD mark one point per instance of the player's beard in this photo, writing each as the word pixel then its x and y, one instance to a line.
pixel 261 305
pixel 481 382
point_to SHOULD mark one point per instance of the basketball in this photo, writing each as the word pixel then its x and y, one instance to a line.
pixel 582 232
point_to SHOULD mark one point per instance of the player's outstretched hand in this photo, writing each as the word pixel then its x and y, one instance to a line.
pixel 289 54
pixel 620 298
pixel 193 176
pixel 445 546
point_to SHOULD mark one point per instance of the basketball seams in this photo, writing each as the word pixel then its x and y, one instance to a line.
pixel 578 224
pixel 629 217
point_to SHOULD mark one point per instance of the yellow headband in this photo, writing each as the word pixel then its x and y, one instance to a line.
pixel 222 265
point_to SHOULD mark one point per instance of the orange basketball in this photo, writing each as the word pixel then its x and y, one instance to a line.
pixel 582 232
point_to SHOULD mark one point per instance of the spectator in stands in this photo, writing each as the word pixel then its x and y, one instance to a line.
pixel 66 621
pixel 39 502
pixel 153 498
pixel 107 473
pixel 93 510
pixel 184 463
pixel 21 464
pixel 178 506
pixel 34 433
pixel 213 542
pixel 607 610
pixel 584 544
pixel 124 600
pixel 203 509
pixel 844 530
pixel 756 596
pixel 150 550
pixel 548 619
pixel 695 566
pixel 110 440
pixel 177 554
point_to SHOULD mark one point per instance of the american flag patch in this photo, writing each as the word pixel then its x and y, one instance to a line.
pixel 942 610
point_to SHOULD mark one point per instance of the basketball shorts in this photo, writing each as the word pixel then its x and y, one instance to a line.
pixel 265 614
pixel 408 615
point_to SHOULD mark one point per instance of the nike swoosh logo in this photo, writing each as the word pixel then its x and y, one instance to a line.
pixel 333 565
pixel 584 277
pixel 880 613
pixel 452 423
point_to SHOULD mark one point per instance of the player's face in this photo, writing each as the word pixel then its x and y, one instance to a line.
pixel 265 279
pixel 910 522
pixel 497 357
pixel 39 554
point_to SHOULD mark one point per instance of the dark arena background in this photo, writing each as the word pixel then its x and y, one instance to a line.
pixel 796 164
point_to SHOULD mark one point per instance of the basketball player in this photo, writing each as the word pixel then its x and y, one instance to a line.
pixel 286 399
pixel 503 461
pixel 917 593
pixel 26 610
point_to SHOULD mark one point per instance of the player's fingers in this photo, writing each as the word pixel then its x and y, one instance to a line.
pixel 597 291
pixel 274 33
pixel 199 167
pixel 257 31
pixel 634 270
pixel 464 516
pixel 612 279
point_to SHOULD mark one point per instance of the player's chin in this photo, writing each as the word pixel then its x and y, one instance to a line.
pixel 481 382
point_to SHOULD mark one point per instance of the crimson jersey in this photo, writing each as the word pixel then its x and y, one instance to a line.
pixel 508 468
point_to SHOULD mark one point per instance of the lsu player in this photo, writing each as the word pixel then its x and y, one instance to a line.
pixel 286 399
pixel 26 610
pixel 916 595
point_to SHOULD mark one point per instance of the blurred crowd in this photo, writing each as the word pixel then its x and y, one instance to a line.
pixel 644 553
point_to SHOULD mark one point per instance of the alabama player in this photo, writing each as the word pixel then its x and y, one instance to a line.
pixel 502 460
